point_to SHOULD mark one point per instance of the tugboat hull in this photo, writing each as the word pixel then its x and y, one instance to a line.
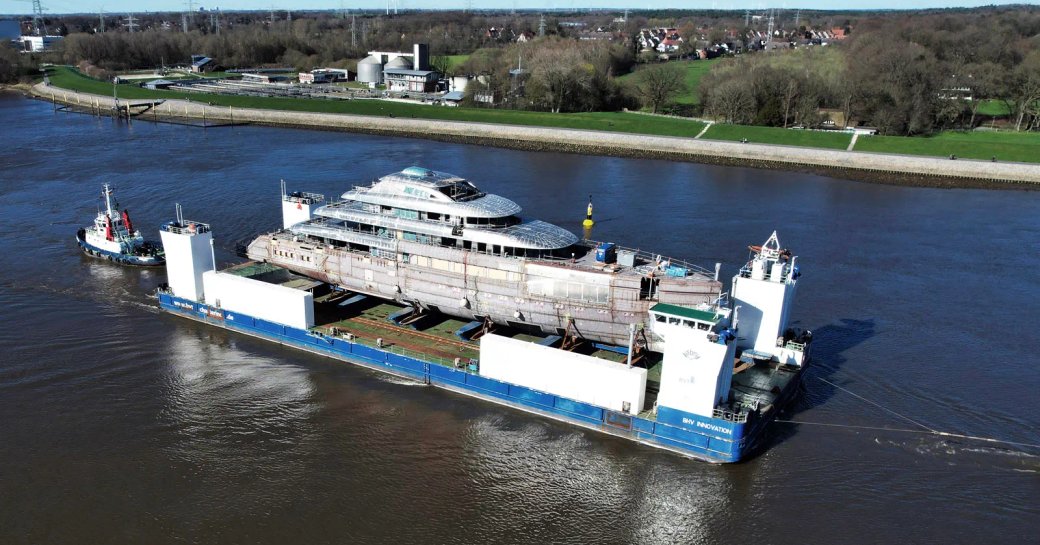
pixel 121 258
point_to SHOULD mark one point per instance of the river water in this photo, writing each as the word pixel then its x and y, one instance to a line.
pixel 119 424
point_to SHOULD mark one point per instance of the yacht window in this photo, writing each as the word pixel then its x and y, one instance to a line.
pixel 702 326
pixel 673 321
pixel 660 318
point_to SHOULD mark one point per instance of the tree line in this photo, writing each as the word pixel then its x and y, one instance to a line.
pixel 903 76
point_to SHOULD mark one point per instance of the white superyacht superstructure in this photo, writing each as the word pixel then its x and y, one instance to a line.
pixel 434 241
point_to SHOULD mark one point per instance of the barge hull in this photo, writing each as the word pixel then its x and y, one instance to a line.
pixel 714 440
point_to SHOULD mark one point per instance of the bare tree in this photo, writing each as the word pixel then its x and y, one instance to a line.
pixel 1024 87
pixel 791 91
pixel 558 75
pixel 659 84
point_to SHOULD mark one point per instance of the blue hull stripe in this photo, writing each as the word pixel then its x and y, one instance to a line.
pixel 709 439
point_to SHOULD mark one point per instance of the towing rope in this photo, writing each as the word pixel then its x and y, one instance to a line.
pixel 926 429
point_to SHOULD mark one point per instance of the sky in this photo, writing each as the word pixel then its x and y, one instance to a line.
pixel 138 6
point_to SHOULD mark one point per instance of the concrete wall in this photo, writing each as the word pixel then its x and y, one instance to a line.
pixel 589 141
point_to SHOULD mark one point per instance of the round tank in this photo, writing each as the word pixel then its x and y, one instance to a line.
pixel 370 70
pixel 400 62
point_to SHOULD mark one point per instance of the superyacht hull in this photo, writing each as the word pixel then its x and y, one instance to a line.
pixel 581 296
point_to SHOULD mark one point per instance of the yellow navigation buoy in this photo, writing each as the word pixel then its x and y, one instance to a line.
pixel 588 215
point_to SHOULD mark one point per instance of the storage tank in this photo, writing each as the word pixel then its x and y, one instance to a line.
pixel 370 70
pixel 399 62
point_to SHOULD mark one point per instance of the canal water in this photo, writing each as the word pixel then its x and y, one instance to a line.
pixel 119 424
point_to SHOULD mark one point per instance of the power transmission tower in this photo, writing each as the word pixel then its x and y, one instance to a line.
pixel 184 22
pixel 39 26
pixel 541 24
pixel 747 18
pixel 288 17
pixel 797 17
pixel 272 16
pixel 191 11
pixel 353 31
pixel 769 32
pixel 469 6
pixel 220 15
pixel 101 21
pixel 131 22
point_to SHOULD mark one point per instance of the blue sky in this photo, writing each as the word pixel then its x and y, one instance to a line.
pixel 116 6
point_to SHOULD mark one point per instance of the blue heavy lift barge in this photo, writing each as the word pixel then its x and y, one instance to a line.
pixel 722 376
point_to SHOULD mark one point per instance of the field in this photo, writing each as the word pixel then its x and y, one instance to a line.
pixel 454 61
pixel 1005 146
pixel 604 121
pixel 995 108
pixel 694 70
pixel 776 135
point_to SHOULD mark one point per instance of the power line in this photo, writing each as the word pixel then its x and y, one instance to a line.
pixel 38 24
pixel 131 22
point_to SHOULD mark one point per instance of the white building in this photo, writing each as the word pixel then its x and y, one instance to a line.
pixel 36 44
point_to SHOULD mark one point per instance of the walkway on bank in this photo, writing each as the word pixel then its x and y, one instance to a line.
pixel 925 170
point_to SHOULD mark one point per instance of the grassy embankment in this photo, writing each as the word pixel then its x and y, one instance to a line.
pixel 778 135
pixel 1005 146
pixel 67 78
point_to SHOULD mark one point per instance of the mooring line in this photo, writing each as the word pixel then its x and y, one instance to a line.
pixel 926 431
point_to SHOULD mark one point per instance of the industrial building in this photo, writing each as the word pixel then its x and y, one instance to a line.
pixel 201 64
pixel 37 44
pixel 324 75
pixel 250 77
pixel 398 70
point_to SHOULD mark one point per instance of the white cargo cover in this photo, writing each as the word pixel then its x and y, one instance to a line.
pixel 575 376
pixel 271 302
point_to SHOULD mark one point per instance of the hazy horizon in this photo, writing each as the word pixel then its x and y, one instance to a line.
pixel 61 7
